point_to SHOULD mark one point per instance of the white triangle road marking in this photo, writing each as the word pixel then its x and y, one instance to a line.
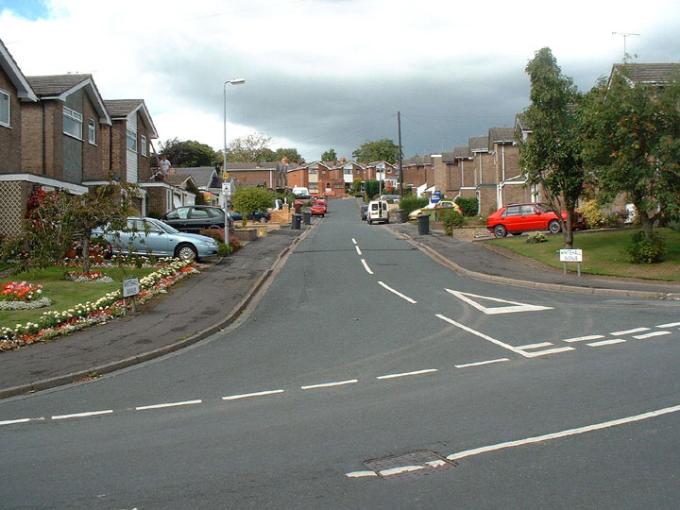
pixel 515 308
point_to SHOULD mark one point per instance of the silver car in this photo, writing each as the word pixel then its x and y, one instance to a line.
pixel 149 236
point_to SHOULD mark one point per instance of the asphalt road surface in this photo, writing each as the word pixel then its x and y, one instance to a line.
pixel 368 376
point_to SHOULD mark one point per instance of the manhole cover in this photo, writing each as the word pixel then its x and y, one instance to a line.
pixel 412 463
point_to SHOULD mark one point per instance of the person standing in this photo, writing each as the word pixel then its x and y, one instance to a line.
pixel 165 166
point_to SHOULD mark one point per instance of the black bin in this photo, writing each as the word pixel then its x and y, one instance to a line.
pixel 307 215
pixel 423 224
pixel 297 218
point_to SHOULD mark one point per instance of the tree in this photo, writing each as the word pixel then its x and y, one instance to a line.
pixel 377 150
pixel 290 153
pixel 247 200
pixel 189 153
pixel 551 156
pixel 252 148
pixel 329 155
pixel 633 145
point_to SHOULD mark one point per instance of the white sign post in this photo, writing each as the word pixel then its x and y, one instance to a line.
pixel 131 288
pixel 571 255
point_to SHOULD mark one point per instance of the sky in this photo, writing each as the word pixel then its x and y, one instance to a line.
pixel 326 74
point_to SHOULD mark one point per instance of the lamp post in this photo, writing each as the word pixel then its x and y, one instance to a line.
pixel 238 81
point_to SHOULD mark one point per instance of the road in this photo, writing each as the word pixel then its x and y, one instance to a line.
pixel 368 376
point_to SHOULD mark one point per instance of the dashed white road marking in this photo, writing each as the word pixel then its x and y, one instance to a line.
pixel 652 334
pixel 534 346
pixel 628 331
pixel 11 422
pixel 368 269
pixel 358 250
pixel 250 395
pixel 405 374
pixel 168 404
pixel 482 335
pixel 354 241
pixel 606 342
pixel 360 474
pixel 480 363
pixel 330 384
pixel 399 470
pixel 397 293
pixel 583 338
pixel 669 325
pixel 81 415
pixel 515 308
pixel 535 354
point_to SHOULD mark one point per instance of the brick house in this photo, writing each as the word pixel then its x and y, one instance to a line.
pixel 418 172
pixel 511 184
pixel 208 182
pixel 332 180
pixel 312 175
pixel 352 171
pixel 266 174
pixel 298 177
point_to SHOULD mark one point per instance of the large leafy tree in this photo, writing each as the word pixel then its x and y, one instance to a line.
pixel 189 153
pixel 633 144
pixel 551 156
pixel 291 153
pixel 377 150
pixel 251 148
pixel 329 155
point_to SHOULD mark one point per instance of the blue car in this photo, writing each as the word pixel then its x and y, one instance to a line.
pixel 149 236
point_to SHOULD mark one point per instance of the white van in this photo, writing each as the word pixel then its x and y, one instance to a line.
pixel 301 192
pixel 377 211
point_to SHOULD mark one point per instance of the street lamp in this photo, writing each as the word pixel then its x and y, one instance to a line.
pixel 238 81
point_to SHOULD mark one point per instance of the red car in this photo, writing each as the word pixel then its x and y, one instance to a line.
pixel 318 210
pixel 518 218
pixel 322 203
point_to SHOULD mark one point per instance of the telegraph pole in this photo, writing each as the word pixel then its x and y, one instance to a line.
pixel 401 167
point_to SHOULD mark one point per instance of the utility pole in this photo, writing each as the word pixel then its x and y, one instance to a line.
pixel 401 167
pixel 625 36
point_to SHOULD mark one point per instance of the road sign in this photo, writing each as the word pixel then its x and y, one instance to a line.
pixel 436 197
pixel 571 255
pixel 514 308
pixel 131 287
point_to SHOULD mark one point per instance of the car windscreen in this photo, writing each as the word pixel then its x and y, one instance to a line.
pixel 165 227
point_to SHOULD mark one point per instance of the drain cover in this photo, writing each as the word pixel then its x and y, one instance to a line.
pixel 413 463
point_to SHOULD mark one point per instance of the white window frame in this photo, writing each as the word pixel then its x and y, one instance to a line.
pixel 76 117
pixel 144 151
pixel 9 109
pixel 92 131
pixel 131 137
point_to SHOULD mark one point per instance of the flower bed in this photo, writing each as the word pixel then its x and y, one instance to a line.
pixel 22 296
pixel 54 323
pixel 91 276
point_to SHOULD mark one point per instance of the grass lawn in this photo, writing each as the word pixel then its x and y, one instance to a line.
pixel 603 254
pixel 63 293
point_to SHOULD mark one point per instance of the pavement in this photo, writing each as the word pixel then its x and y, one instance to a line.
pixel 206 303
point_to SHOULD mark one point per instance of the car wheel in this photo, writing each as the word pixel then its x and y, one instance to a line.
pixel 185 251
pixel 500 231
pixel 554 227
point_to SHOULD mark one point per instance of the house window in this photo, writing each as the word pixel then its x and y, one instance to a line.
pixel 73 123
pixel 131 141
pixel 145 151
pixel 92 131
pixel 4 108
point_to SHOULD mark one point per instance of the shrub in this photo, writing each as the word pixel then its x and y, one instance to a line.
pixel 450 219
pixel 537 237
pixel 646 249
pixel 468 206
pixel 223 249
pixel 411 203
pixel 592 215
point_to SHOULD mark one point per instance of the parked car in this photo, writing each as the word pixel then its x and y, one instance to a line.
pixel 518 218
pixel 258 215
pixel 193 218
pixel 378 211
pixel 149 236
pixel 364 212
pixel 318 210
pixel 322 203
pixel 434 208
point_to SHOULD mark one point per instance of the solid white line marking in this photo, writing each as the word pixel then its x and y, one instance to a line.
pixel 354 241
pixel 669 325
pixel 249 395
pixel 358 250
pixel 404 374
pixel 81 415
pixel 360 474
pixel 396 292
pixel 606 342
pixel 564 433
pixel 482 335
pixel 10 422
pixel 535 354
pixel 436 463
pixel 534 346
pixel 399 470
pixel 368 269
pixel 328 385
pixel 479 363
pixel 515 308
pixel 168 404
pixel 650 335
pixel 583 338
pixel 628 331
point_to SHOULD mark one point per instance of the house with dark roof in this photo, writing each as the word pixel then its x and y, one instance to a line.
pixel 268 174
pixel 418 172
pixel 208 182
pixel 385 172
pixel 649 74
